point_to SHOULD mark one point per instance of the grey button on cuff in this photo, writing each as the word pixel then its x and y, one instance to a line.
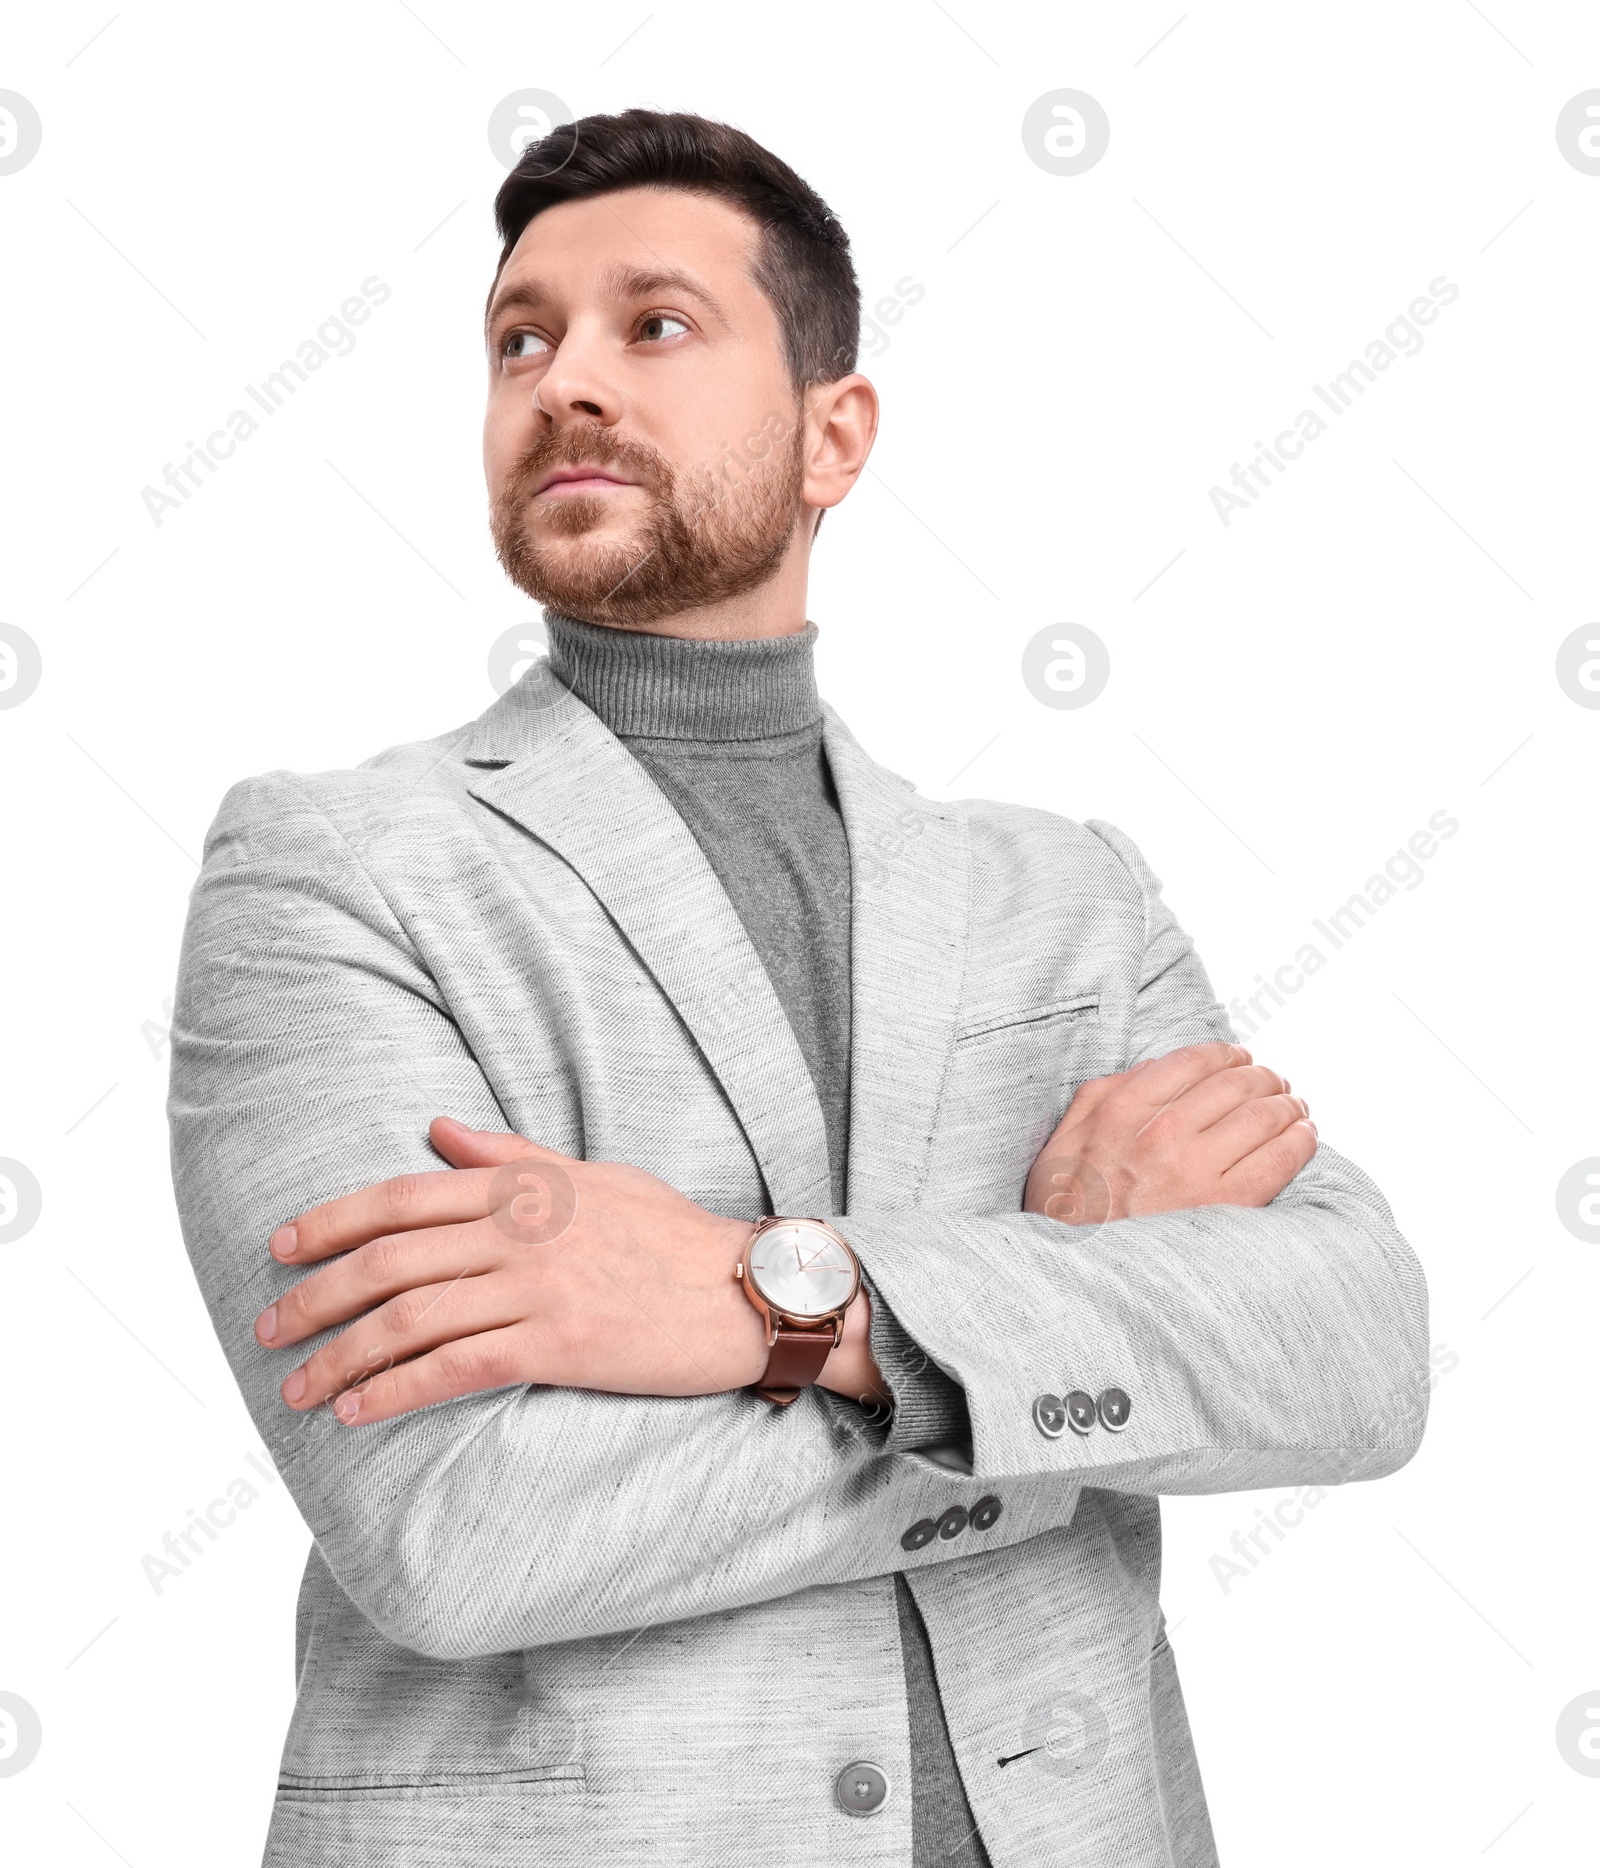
pixel 952 1522
pixel 920 1534
pixel 1053 1413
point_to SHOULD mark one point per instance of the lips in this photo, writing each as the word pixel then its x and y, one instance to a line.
pixel 580 479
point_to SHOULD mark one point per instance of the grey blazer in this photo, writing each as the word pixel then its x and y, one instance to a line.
pixel 557 1626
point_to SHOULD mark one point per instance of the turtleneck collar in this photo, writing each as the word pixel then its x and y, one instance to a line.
pixel 671 687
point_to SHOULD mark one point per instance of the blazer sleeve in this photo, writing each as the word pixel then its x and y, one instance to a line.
pixel 1268 1346
pixel 311 1047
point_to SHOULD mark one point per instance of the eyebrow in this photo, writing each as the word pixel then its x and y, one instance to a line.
pixel 620 284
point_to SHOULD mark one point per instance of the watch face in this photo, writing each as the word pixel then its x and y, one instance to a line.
pixel 799 1269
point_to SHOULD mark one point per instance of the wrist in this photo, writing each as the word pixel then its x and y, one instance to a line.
pixel 793 1322
pixel 740 1345
pixel 851 1370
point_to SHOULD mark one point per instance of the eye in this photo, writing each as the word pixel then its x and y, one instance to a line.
pixel 521 345
pixel 661 324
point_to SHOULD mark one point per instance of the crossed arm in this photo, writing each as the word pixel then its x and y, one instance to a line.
pixel 518 1264
pixel 1264 1344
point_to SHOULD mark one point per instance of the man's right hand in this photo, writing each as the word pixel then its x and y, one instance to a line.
pixel 1202 1126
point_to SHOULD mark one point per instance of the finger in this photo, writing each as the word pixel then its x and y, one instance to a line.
pixel 1091 1093
pixel 1261 1176
pixel 373 1273
pixel 467 1148
pixel 404 1203
pixel 1208 1102
pixel 1249 1127
pixel 413 1324
pixel 1094 1090
pixel 470 1365
pixel 1164 1079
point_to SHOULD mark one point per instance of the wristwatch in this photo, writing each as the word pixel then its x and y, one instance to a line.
pixel 802 1277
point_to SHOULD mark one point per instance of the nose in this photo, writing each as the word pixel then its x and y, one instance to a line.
pixel 577 386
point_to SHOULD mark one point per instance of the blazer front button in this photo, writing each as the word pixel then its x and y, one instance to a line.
pixel 1049 1416
pixel 1080 1411
pixel 953 1522
pixel 1114 1408
pixel 861 1789
pixel 985 1512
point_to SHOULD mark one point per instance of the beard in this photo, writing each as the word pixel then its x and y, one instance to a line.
pixel 695 545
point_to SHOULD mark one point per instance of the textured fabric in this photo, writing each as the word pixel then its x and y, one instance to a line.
pixel 732 733
pixel 673 687
pixel 930 1410
pixel 764 813
pixel 557 1625
pixel 944 1832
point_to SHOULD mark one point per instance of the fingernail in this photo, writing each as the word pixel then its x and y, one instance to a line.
pixel 283 1242
pixel 294 1388
pixel 267 1323
pixel 347 1407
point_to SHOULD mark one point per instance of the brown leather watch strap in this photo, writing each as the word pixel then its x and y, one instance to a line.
pixel 795 1362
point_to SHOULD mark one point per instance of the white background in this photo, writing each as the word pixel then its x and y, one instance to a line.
pixel 1371 642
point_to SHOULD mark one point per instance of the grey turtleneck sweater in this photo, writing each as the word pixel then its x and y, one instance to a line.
pixel 731 733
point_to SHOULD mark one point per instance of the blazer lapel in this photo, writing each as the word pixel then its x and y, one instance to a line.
pixel 909 912
pixel 561 775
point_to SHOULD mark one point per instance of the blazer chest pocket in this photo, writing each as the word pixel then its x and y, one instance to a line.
pixel 1011 1075
pixel 1049 1021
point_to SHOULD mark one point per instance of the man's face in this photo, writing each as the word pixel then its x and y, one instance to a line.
pixel 642 442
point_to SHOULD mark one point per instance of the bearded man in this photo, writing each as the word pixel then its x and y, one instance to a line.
pixel 854 1213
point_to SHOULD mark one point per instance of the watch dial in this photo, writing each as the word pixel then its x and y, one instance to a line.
pixel 801 1270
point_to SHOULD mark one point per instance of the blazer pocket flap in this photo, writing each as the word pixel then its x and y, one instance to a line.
pixel 376 1787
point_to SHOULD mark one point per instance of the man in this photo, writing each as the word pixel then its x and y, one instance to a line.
pixel 645 1533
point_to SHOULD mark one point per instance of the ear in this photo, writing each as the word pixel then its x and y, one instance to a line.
pixel 841 422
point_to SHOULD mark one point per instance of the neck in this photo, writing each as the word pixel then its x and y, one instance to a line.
pixel 654 686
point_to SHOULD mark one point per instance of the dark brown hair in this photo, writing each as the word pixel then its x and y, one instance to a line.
pixel 803 261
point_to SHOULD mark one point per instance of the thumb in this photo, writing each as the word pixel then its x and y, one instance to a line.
pixel 472 1148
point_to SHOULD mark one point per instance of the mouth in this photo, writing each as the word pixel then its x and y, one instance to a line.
pixel 578 482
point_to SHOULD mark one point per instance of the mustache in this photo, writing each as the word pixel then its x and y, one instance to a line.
pixel 589 447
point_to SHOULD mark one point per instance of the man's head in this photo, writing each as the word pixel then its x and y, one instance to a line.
pixel 672 389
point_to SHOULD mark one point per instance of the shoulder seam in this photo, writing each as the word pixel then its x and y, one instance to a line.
pixel 1094 824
